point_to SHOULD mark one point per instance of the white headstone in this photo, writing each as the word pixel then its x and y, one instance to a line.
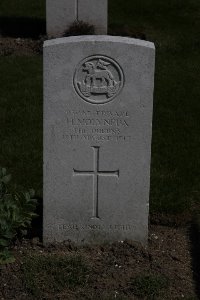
pixel 98 100
pixel 60 14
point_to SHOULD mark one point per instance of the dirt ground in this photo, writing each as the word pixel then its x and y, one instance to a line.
pixel 114 267
pixel 20 46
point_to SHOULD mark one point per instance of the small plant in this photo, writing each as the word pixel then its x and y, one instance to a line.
pixel 149 286
pixel 53 272
pixel 80 28
pixel 16 212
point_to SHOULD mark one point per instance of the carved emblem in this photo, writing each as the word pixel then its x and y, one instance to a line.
pixel 98 79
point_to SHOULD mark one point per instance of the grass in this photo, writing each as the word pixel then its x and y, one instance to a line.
pixel 22 8
pixel 53 274
pixel 174 27
pixel 149 286
pixel 21 119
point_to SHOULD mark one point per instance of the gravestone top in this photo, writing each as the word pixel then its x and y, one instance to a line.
pixel 99 38
pixel 98 103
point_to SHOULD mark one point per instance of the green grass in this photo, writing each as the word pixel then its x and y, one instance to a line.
pixel 176 140
pixel 21 119
pixel 53 274
pixel 174 27
pixel 22 8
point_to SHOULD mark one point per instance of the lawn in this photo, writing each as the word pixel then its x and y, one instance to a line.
pixel 22 8
pixel 21 119
pixel 174 27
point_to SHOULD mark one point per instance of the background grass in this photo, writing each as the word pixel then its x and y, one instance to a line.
pixel 21 119
pixel 174 27
pixel 22 8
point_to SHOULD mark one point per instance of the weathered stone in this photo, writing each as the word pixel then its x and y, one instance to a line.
pixel 94 12
pixel 60 14
pixel 98 100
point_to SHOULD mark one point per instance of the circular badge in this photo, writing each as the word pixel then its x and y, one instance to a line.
pixel 98 79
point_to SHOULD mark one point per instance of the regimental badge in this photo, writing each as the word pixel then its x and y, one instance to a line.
pixel 98 79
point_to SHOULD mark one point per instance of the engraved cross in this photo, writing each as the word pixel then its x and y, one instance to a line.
pixel 95 173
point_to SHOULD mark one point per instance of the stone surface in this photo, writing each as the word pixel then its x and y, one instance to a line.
pixel 94 12
pixel 98 100
pixel 60 14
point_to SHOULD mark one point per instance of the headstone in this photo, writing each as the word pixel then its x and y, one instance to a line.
pixel 98 100
pixel 60 14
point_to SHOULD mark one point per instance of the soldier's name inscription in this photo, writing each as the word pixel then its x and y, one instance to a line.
pixel 97 122
pixel 97 125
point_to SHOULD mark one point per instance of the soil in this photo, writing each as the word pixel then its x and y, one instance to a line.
pixel 19 46
pixel 114 267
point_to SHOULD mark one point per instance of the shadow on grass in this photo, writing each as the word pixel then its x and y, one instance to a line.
pixel 195 251
pixel 127 31
pixel 22 27
pixel 36 229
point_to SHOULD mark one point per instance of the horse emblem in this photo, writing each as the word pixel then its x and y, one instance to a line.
pixel 99 80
